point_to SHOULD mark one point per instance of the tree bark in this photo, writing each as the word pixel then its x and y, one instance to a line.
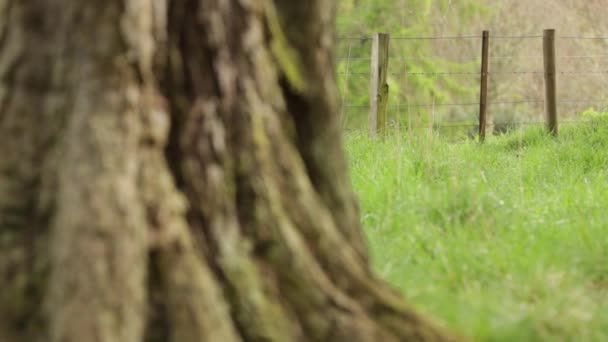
pixel 174 172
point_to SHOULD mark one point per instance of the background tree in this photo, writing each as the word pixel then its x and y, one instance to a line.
pixel 174 171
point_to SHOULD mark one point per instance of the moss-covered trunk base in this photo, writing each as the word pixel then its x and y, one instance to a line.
pixel 174 171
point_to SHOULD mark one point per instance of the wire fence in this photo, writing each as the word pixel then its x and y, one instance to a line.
pixel 408 74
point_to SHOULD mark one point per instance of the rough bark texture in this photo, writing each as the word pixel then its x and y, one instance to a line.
pixel 173 171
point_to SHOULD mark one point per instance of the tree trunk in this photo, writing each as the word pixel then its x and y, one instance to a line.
pixel 174 172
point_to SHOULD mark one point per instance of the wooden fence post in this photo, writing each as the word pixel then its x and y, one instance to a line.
pixel 379 87
pixel 550 80
pixel 483 91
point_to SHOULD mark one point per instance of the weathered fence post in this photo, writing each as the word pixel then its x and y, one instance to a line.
pixel 550 80
pixel 379 87
pixel 483 91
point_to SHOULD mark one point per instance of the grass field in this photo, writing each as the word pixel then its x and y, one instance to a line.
pixel 502 242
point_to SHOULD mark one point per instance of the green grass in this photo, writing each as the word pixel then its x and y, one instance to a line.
pixel 503 242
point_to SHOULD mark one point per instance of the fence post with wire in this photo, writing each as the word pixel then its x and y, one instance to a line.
pixel 550 80
pixel 378 86
pixel 483 85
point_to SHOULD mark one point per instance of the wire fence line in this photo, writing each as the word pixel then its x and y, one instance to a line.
pixel 454 37
pixel 352 62
pixel 473 103
pixel 585 38
pixel 415 73
pixel 418 58
pixel 472 37
pixel 469 124
pixel 456 73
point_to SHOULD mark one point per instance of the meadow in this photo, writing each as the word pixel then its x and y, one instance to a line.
pixel 505 241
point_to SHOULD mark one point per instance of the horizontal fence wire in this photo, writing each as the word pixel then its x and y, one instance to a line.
pixel 420 105
pixel 515 102
pixel 419 58
pixel 515 57
pixel 584 38
pixel 354 38
pixel 523 72
pixel 413 73
pixel 435 38
pixel 516 37
pixel 437 105
pixel 593 72
pixel 539 56
pixel 582 101
pixel 446 58
pixel 354 58
pixel 436 73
